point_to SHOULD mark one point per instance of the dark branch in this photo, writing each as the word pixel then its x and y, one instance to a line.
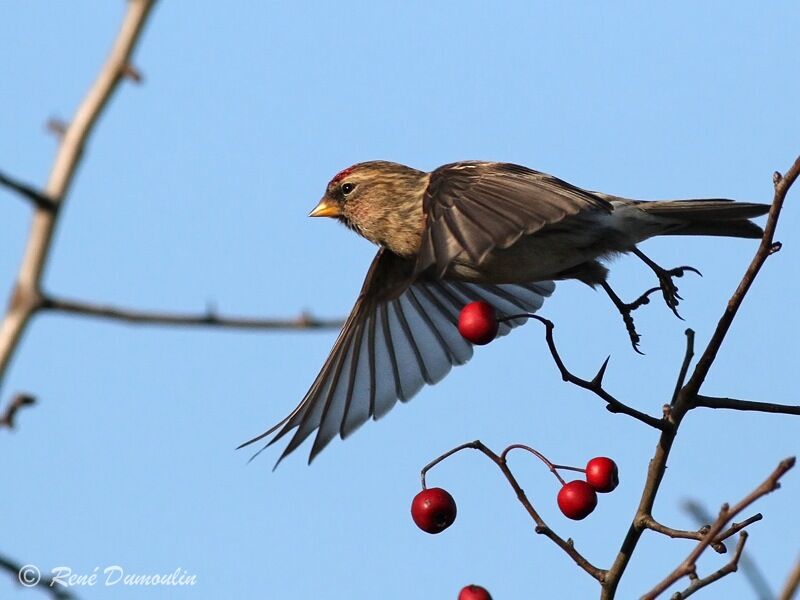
pixel 687 360
pixel 541 527
pixel 45 583
pixel 7 419
pixel 208 318
pixel 596 384
pixel 39 199
pixel 733 404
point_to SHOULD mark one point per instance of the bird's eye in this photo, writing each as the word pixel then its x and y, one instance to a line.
pixel 347 188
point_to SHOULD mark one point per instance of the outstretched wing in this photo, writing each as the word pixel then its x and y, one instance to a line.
pixel 475 207
pixel 401 334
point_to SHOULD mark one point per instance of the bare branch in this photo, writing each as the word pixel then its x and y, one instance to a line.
pixel 9 414
pixel 20 573
pixel 734 404
pixel 792 583
pixel 596 384
pixel 541 527
pixel 726 514
pixel 209 318
pixel 730 567
pixel 766 249
pixel 717 544
pixel 25 298
pixel 28 192
pixel 675 412
pixel 747 565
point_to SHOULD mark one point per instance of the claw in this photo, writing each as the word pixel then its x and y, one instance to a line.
pixel 665 276
pixel 626 309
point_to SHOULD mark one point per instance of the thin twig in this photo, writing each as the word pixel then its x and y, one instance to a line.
pixel 541 527
pixel 28 192
pixel 717 544
pixel 726 514
pixel 792 583
pixel 20 572
pixel 7 419
pixel 730 567
pixel 687 360
pixel 596 384
pixel 209 318
pixel 734 404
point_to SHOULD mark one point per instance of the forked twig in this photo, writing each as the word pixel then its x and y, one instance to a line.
pixel 726 514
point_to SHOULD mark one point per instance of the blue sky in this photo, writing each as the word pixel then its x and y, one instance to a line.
pixel 196 188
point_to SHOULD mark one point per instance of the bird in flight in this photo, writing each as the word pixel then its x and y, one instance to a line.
pixel 469 231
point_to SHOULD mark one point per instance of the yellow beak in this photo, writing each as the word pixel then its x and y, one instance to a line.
pixel 325 208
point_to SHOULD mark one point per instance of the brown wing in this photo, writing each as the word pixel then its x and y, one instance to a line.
pixel 474 207
pixel 400 335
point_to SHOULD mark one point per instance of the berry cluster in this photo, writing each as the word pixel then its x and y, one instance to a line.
pixel 577 499
pixel 434 509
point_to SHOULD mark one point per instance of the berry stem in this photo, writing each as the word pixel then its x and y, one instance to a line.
pixel 568 468
pixel 517 316
pixel 541 457
pixel 436 461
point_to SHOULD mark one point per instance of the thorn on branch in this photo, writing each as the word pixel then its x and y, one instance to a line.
pixel 132 73
pixel 598 379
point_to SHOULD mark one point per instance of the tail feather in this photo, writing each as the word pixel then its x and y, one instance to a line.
pixel 718 217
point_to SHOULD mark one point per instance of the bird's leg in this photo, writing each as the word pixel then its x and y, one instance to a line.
pixel 625 309
pixel 667 286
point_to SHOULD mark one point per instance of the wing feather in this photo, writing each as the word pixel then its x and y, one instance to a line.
pixel 401 334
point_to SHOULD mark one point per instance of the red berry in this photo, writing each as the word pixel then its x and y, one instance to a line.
pixel 577 499
pixel 602 474
pixel 477 322
pixel 474 592
pixel 433 510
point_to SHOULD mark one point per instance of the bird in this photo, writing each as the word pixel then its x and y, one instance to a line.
pixel 468 231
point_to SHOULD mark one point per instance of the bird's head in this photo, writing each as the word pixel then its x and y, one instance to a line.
pixel 382 201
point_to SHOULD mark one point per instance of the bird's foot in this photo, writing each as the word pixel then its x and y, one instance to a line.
pixel 665 280
pixel 668 287
pixel 626 310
